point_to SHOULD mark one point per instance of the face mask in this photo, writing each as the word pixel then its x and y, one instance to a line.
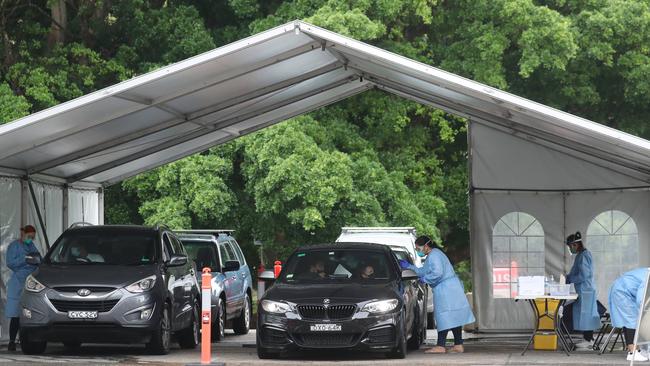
pixel 571 250
pixel 27 240
pixel 74 251
pixel 420 253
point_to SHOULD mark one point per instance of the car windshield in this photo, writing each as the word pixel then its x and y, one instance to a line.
pixel 337 265
pixel 203 253
pixel 111 247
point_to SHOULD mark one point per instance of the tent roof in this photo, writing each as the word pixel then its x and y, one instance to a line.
pixel 190 106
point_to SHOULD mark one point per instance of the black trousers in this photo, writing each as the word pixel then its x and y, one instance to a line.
pixel 14 326
pixel 588 335
pixel 629 335
pixel 458 336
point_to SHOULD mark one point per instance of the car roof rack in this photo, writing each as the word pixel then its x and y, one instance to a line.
pixel 205 231
pixel 79 224
pixel 382 229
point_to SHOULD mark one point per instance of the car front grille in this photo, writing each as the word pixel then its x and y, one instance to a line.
pixel 330 312
pixel 101 306
pixel 92 289
pixel 382 335
pixel 326 340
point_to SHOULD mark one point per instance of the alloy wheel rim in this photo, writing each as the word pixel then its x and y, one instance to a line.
pixel 222 320
pixel 247 313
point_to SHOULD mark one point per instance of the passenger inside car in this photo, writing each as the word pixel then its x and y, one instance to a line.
pixel 367 272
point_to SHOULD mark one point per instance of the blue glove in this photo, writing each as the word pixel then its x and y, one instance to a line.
pixel 404 264
pixel 422 281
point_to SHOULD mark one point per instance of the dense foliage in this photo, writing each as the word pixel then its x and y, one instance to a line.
pixel 373 160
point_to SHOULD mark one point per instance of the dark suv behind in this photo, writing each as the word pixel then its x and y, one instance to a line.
pixel 112 284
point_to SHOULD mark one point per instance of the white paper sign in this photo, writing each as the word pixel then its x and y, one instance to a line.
pixel 530 286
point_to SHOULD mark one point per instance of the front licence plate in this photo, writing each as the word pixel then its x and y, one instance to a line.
pixel 82 314
pixel 325 328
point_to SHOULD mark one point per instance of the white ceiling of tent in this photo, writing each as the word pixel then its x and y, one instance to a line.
pixel 206 100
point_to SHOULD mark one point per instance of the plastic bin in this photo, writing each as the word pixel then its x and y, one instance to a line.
pixel 545 342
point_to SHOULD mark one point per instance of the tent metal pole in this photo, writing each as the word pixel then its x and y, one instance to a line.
pixel 612 189
pixel 38 214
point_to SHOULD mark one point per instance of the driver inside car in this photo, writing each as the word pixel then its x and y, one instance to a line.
pixel 80 254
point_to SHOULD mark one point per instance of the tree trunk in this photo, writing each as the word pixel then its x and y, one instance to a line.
pixel 59 23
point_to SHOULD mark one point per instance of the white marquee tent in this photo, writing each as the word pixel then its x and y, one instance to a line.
pixel 537 174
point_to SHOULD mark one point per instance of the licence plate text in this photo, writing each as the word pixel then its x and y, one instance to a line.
pixel 82 314
pixel 325 327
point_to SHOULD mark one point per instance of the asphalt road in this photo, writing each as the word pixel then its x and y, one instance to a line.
pixel 240 350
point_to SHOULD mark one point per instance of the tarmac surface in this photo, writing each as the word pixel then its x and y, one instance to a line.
pixel 240 350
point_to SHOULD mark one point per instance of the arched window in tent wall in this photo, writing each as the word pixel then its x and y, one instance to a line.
pixel 517 250
pixel 613 239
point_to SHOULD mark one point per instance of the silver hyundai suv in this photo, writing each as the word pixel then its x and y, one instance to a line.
pixel 112 284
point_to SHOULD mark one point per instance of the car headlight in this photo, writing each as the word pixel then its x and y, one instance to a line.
pixel 275 307
pixel 143 285
pixel 382 306
pixel 32 285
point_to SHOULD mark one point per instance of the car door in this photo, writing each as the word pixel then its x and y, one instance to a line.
pixel 233 299
pixel 188 280
pixel 412 294
pixel 244 271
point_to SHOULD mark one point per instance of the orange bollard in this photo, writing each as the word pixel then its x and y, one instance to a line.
pixel 206 315
pixel 277 268
pixel 206 320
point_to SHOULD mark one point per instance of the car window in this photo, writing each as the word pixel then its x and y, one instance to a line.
pixel 225 254
pixel 238 252
pixel 231 252
pixel 332 265
pixel 176 244
pixel 403 255
pixel 110 247
pixel 203 253
pixel 168 244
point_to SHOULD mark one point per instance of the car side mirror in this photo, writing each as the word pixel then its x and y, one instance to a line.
pixel 267 276
pixel 409 274
pixel 177 260
pixel 231 266
pixel 33 259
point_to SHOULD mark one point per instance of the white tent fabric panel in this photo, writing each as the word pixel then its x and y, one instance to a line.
pixel 614 245
pixel 502 312
pixel 10 207
pixel 50 203
pixel 504 161
pixel 83 206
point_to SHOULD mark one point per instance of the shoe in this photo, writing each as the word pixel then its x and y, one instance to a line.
pixel 637 356
pixel 11 346
pixel 585 345
pixel 457 349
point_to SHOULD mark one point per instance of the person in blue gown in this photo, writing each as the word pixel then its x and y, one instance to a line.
pixel 452 309
pixel 625 301
pixel 17 254
pixel 584 309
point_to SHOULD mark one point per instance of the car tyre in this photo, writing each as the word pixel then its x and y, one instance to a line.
pixel 416 336
pixel 189 338
pixel 161 337
pixel 431 322
pixel 400 351
pixel 31 347
pixel 219 326
pixel 263 354
pixel 242 324
pixel 72 345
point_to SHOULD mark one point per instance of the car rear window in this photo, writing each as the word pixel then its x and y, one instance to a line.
pixel 112 247
pixel 338 265
pixel 203 253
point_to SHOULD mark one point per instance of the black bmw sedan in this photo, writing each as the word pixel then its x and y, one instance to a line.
pixel 342 296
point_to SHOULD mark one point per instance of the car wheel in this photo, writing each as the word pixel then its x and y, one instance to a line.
pixel 31 347
pixel 242 324
pixel 189 338
pixel 72 345
pixel 400 351
pixel 219 325
pixel 416 336
pixel 431 322
pixel 263 354
pixel 161 337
